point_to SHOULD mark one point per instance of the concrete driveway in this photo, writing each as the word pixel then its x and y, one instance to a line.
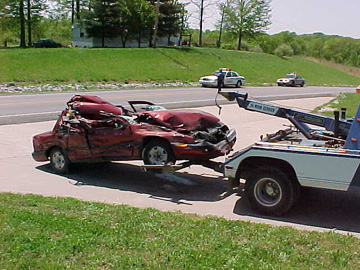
pixel 192 190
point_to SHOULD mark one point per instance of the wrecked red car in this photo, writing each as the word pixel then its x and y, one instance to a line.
pixel 91 129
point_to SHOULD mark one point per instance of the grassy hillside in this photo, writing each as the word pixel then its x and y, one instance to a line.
pixel 62 233
pixel 161 64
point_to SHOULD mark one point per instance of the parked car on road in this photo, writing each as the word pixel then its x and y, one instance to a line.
pixel 291 79
pixel 46 43
pixel 230 78
pixel 91 129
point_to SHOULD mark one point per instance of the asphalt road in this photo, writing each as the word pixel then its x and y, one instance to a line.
pixel 27 108
pixel 191 190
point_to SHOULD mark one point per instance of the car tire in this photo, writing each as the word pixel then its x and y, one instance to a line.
pixel 59 162
pixel 271 191
pixel 158 152
pixel 302 85
pixel 238 84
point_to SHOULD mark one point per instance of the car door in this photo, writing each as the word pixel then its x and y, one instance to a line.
pixel 236 77
pixel 72 138
pixel 228 78
pixel 111 138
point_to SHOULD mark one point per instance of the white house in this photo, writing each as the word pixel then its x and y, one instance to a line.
pixel 80 39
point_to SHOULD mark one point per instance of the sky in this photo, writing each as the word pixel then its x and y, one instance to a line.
pixel 332 17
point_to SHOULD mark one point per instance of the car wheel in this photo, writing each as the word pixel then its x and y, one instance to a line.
pixel 271 191
pixel 238 84
pixel 59 161
pixel 158 152
pixel 302 85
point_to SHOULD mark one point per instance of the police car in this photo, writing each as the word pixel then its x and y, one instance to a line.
pixel 291 79
pixel 230 78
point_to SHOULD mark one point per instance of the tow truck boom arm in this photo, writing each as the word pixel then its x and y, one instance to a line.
pixel 298 118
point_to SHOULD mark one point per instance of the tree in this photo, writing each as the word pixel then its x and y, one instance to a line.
pixel 103 21
pixel 9 21
pixel 247 17
pixel 137 18
pixel 169 18
pixel 170 21
pixel 19 15
pixel 34 9
pixel 201 6
pixel 284 50
pixel 222 7
pixel 22 23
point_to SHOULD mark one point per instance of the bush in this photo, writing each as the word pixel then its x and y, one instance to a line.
pixel 284 50
pixel 227 46
pixel 257 49
pixel 244 45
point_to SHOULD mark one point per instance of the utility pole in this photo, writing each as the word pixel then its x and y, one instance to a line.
pixel 156 22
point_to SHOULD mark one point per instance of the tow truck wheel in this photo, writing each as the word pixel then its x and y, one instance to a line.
pixel 158 152
pixel 271 191
pixel 59 161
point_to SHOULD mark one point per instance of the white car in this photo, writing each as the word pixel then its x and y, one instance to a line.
pixel 291 79
pixel 230 78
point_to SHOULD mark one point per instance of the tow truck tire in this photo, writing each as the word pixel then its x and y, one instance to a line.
pixel 59 162
pixel 271 191
pixel 158 152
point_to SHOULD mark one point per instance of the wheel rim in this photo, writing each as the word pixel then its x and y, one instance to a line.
pixel 58 160
pixel 268 192
pixel 158 155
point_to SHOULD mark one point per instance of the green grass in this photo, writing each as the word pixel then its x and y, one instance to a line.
pixel 160 64
pixel 348 101
pixel 61 233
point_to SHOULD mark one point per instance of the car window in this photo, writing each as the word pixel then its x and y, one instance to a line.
pixel 216 73
pixel 235 74
pixel 228 74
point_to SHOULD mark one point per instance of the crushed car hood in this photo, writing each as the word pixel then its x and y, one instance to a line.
pixel 183 119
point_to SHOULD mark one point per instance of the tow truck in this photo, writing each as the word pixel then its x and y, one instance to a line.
pixel 278 166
